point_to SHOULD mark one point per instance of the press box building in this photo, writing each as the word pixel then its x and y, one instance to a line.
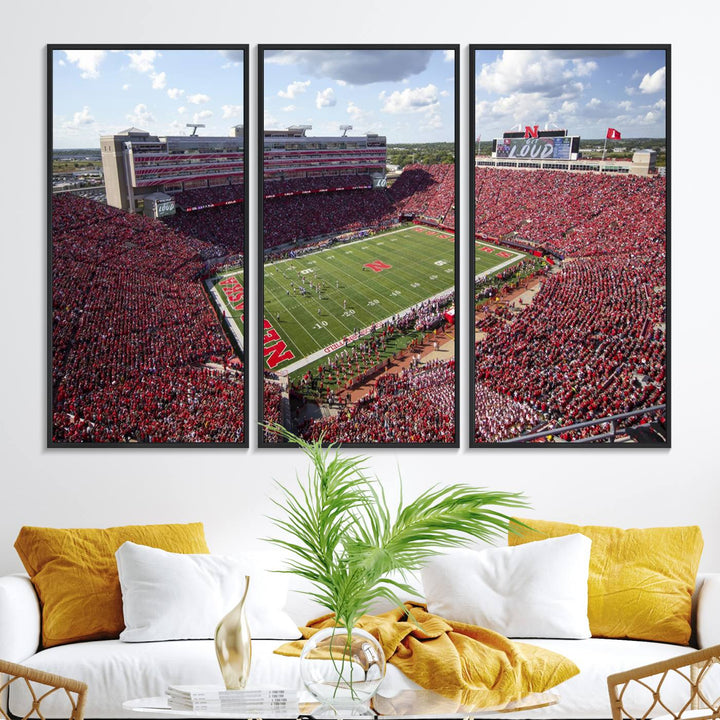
pixel 144 171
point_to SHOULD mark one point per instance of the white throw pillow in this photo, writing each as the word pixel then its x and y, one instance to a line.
pixel 536 590
pixel 176 596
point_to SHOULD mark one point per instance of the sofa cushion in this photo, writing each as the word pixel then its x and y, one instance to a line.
pixel 183 596
pixel 530 591
pixel 641 580
pixel 75 574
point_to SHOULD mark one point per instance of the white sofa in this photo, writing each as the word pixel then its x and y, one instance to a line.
pixel 117 671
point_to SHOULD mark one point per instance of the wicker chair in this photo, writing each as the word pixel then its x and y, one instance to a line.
pixel 41 685
pixel 695 676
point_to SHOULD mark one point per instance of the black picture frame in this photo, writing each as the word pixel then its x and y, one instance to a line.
pixel 282 408
pixel 203 412
pixel 614 433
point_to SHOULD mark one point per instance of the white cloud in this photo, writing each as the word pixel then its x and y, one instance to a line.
pixel 361 119
pixel 289 108
pixel 583 68
pixel 141 116
pixel 660 104
pixel 87 61
pixel 529 71
pixel 202 116
pixel 143 61
pixel 177 128
pixel 159 80
pixel 625 105
pixel 81 118
pixel 325 98
pixel 198 99
pixel 593 103
pixel 294 89
pixel 653 83
pixel 126 86
pixel 232 111
pixel 182 110
pixel 175 93
pixel 235 58
pixel 449 55
pixel 433 121
pixel 410 100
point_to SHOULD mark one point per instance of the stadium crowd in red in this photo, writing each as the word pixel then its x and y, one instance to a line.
pixel 190 200
pixel 272 395
pixel 427 191
pixel 287 219
pixel 221 228
pixel 414 406
pixel 133 334
pixel 592 342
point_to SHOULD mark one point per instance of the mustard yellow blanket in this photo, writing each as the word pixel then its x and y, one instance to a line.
pixel 469 665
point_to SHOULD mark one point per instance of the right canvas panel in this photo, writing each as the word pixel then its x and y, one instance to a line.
pixel 569 233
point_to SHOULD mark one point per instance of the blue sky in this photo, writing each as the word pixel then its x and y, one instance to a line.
pixel 407 95
pixel 98 92
pixel 583 91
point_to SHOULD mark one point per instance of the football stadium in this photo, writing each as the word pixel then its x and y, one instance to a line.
pixel 359 291
pixel 359 275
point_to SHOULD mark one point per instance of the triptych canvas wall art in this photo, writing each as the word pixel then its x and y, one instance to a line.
pixel 158 337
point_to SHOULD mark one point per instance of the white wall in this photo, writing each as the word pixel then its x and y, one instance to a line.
pixel 228 489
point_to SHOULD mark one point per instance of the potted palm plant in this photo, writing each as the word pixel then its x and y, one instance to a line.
pixel 343 538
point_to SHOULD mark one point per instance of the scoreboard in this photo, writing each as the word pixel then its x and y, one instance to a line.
pixel 157 205
pixel 534 148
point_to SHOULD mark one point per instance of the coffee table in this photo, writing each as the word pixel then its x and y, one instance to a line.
pixel 412 704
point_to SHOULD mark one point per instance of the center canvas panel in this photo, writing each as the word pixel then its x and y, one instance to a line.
pixel 359 255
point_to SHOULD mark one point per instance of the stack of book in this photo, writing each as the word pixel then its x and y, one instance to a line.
pixel 251 702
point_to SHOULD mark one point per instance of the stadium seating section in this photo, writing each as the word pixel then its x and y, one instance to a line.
pixel 592 343
pixel 138 354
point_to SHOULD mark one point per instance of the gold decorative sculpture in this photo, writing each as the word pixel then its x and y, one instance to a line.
pixel 233 646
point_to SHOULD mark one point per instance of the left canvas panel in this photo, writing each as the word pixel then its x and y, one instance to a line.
pixel 146 245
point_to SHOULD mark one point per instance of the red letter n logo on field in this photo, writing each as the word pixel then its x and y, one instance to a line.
pixel 531 131
pixel 277 353
pixel 377 266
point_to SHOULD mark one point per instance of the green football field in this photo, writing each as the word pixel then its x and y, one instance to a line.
pixel 315 301
pixel 491 258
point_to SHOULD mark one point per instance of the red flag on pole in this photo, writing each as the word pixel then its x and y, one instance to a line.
pixel 613 134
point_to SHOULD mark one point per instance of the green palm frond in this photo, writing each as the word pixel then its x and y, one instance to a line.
pixel 346 541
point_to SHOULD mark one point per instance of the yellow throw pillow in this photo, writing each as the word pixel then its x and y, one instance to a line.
pixel 75 574
pixel 641 580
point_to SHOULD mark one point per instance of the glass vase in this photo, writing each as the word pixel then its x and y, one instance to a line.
pixel 233 645
pixel 342 670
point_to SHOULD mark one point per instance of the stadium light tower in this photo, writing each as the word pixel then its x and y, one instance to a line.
pixel 301 127
pixel 345 129
pixel 194 126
